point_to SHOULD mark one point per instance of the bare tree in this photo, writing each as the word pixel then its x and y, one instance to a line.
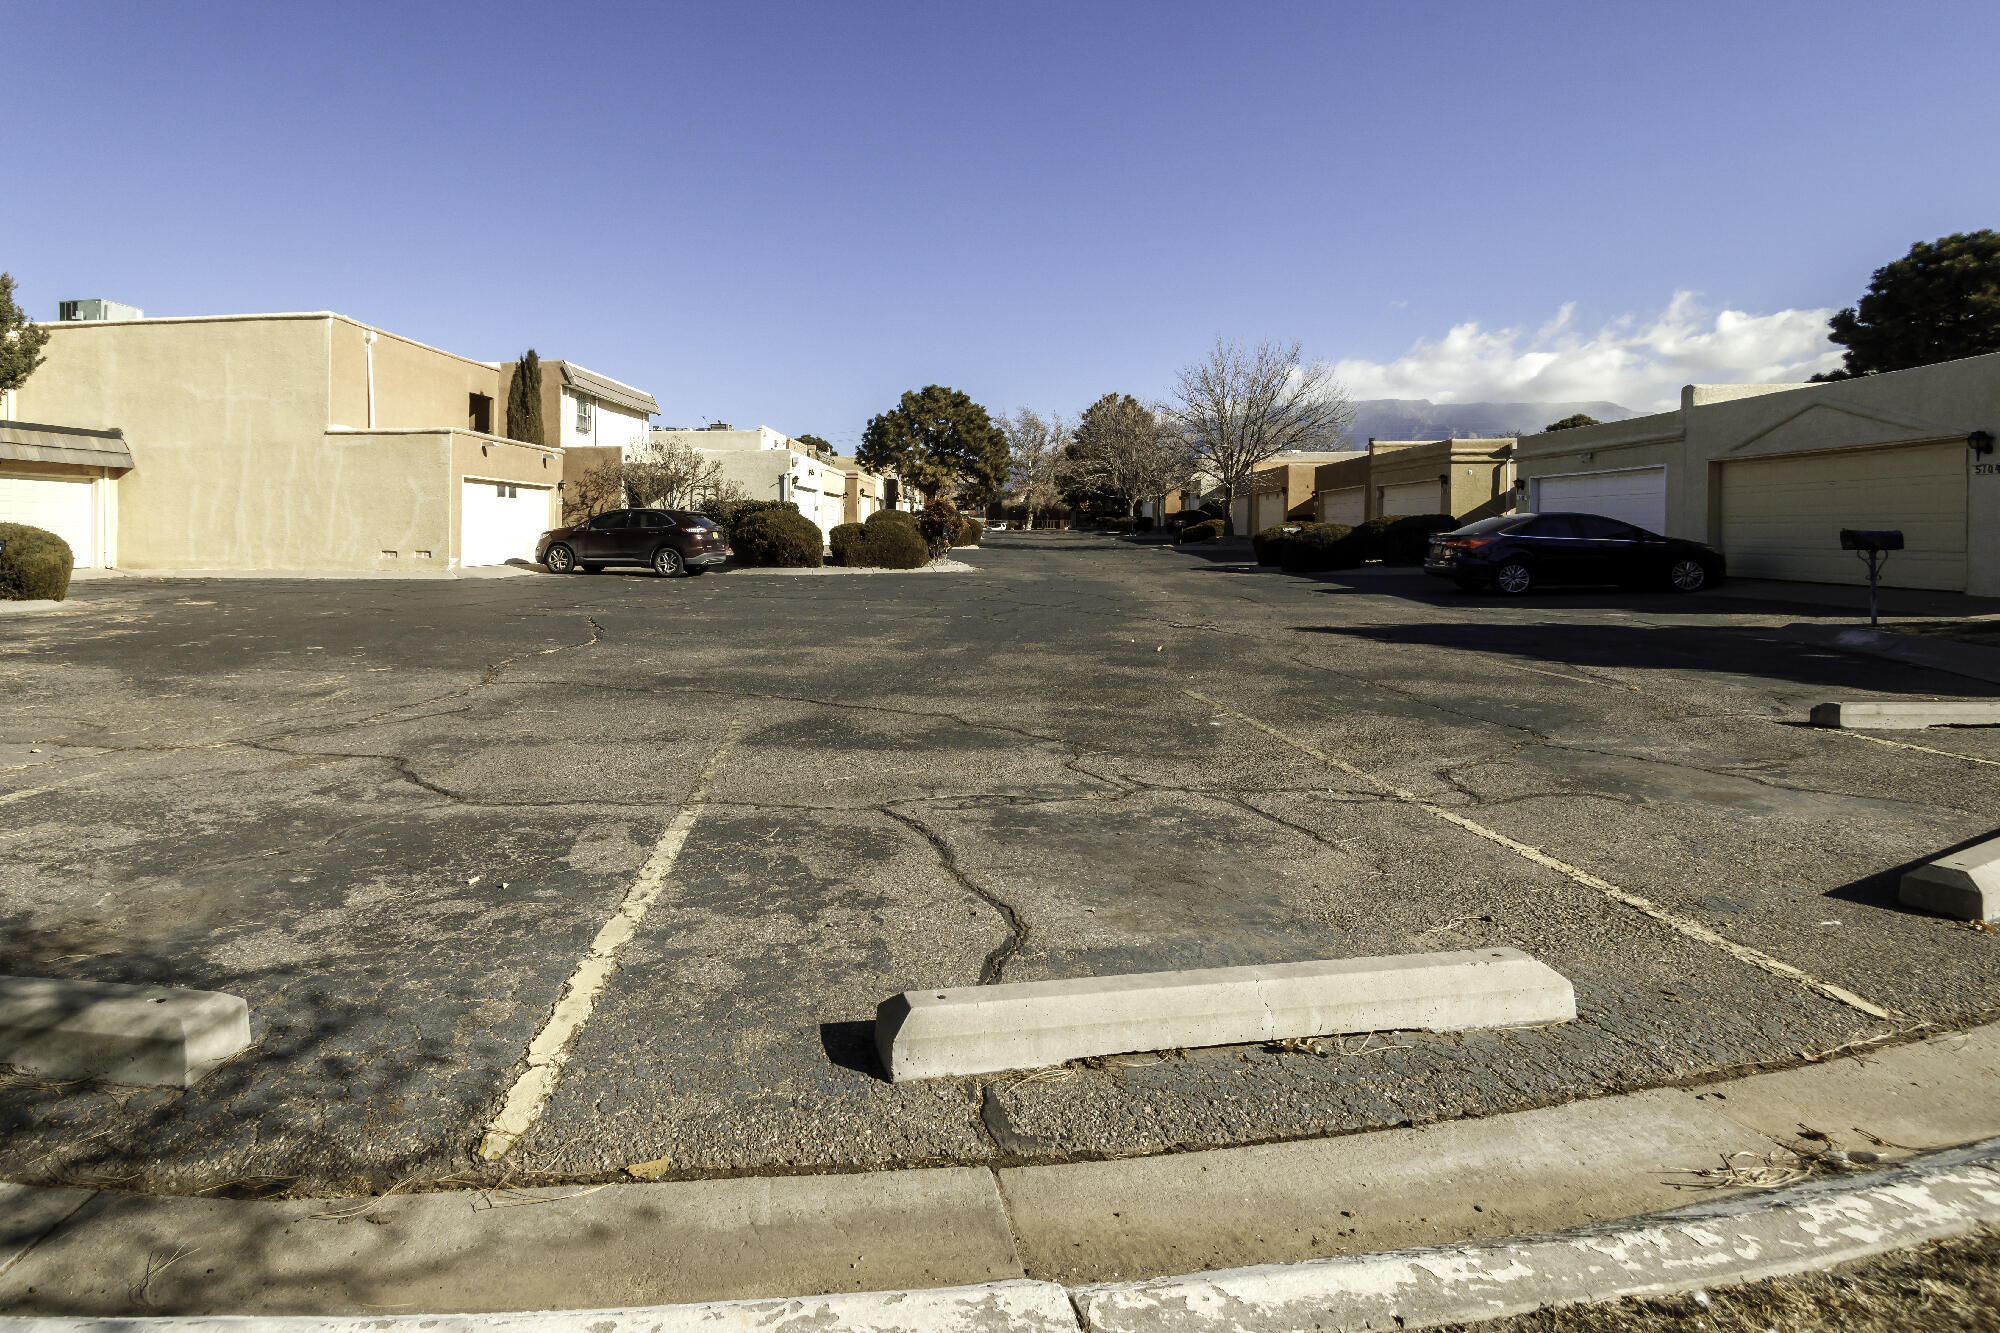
pixel 672 474
pixel 1034 450
pixel 1127 453
pixel 1237 408
pixel 592 489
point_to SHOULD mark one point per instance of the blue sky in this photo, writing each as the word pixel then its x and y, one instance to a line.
pixel 790 213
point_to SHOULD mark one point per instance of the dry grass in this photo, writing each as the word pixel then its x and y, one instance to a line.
pixel 1945 1287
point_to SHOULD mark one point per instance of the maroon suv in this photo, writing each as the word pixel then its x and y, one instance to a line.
pixel 672 541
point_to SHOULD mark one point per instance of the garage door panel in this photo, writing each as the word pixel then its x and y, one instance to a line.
pixel 500 522
pixel 55 504
pixel 1630 495
pixel 1781 517
pixel 1414 497
pixel 1349 505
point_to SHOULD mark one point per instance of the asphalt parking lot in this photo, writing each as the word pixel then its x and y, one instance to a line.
pixel 394 815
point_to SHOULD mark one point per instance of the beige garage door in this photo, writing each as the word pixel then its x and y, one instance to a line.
pixel 1781 517
pixel 1412 497
pixel 1270 511
pixel 1348 505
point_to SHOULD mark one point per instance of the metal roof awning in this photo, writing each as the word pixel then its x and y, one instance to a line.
pixel 32 442
pixel 610 390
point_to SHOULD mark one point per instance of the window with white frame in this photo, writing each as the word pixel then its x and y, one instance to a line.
pixel 583 414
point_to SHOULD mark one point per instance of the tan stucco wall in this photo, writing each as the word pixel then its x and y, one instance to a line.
pixel 1931 403
pixel 225 420
pixel 234 462
pixel 416 387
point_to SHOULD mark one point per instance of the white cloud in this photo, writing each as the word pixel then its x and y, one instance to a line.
pixel 1639 363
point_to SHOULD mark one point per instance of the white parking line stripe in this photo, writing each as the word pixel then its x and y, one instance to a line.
pixel 549 1051
pixel 1905 745
pixel 1692 929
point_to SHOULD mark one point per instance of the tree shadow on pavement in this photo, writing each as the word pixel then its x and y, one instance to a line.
pixel 1738 650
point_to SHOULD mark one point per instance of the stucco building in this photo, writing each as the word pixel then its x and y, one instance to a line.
pixel 1280 488
pixel 288 441
pixel 770 465
pixel 1770 474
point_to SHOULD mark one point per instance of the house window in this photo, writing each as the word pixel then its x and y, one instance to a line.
pixel 479 413
pixel 583 406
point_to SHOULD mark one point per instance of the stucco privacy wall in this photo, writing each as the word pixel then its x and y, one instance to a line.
pixel 1939 404
pixel 416 387
pixel 225 419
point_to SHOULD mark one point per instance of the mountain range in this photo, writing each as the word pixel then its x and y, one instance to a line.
pixel 1422 419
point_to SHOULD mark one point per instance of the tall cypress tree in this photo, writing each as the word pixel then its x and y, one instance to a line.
pixel 524 401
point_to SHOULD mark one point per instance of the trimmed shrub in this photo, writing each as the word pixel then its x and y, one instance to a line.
pixel 970 530
pixel 1371 536
pixel 779 536
pixel 725 514
pixel 1270 543
pixel 902 516
pixel 35 566
pixel 1319 546
pixel 1205 531
pixel 1114 524
pixel 844 541
pixel 879 546
pixel 1409 537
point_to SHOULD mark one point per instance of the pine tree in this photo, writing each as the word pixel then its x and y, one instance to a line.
pixel 524 401
pixel 21 339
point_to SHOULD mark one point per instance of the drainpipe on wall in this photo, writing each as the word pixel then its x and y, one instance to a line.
pixel 7 405
pixel 368 339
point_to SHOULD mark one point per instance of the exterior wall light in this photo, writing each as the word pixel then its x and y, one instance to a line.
pixel 1980 441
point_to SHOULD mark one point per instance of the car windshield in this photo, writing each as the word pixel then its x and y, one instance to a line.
pixel 694 521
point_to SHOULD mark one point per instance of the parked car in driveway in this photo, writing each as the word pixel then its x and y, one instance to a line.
pixel 671 541
pixel 1520 552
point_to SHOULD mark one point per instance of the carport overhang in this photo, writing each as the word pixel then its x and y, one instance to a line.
pixel 63 448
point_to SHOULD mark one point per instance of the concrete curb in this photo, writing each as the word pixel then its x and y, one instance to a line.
pixel 1293 1216
pixel 1962 659
pixel 1742 1239
pixel 1735 1240
pixel 995 1307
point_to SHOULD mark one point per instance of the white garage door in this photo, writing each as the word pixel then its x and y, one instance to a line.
pixel 1781 517
pixel 1413 497
pixel 1632 495
pixel 1348 506
pixel 56 505
pixel 501 522
pixel 1270 511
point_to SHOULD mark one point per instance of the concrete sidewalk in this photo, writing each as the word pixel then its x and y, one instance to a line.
pixel 1137 1223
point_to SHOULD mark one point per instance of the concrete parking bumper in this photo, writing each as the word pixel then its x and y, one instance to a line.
pixel 141 1035
pixel 1028 1025
pixel 1965 884
pixel 1899 715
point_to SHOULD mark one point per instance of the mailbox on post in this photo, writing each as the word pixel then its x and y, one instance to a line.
pixel 1872 545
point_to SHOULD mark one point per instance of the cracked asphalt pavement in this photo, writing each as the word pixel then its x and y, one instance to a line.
pixel 394 815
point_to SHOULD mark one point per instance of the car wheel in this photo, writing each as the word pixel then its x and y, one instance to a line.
pixel 1513 578
pixel 1687 576
pixel 560 559
pixel 667 562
